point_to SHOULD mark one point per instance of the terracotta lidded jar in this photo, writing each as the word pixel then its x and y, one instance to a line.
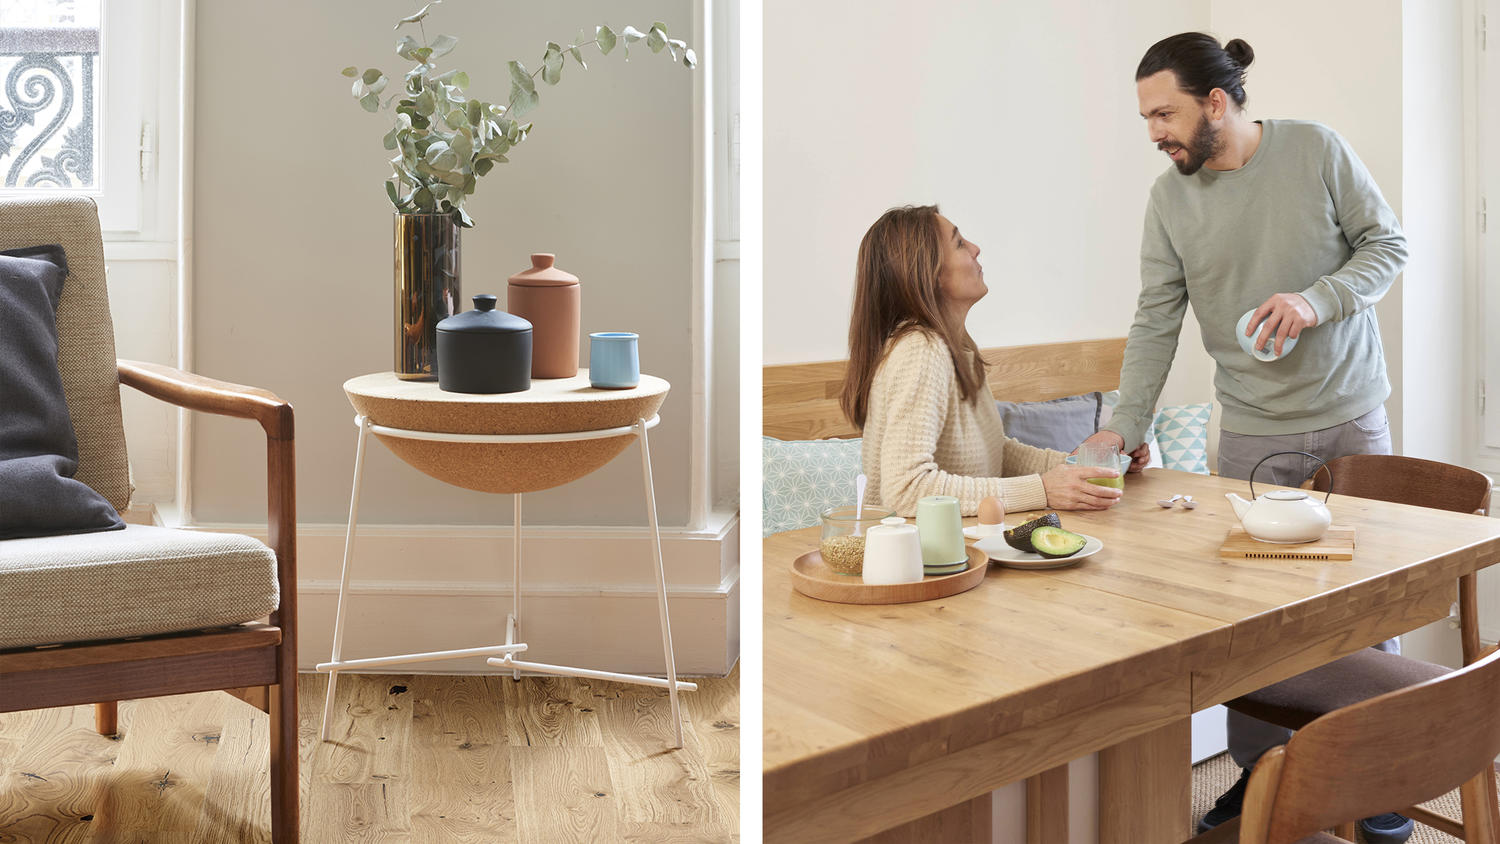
pixel 549 299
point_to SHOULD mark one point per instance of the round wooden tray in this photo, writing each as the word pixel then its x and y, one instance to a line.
pixel 813 578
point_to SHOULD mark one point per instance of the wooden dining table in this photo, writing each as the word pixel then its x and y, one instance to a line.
pixel 905 717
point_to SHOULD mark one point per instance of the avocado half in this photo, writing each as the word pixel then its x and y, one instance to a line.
pixel 1019 537
pixel 1054 542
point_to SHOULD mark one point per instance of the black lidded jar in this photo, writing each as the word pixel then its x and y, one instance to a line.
pixel 484 350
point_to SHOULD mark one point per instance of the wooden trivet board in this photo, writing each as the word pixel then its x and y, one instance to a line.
pixel 1336 544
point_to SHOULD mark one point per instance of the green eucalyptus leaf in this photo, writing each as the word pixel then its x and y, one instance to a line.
pixel 379 84
pixel 350 71
pixel 578 57
pixel 422 13
pixel 520 78
pixel 689 58
pixel 421 54
pixel 424 199
pixel 474 113
pixel 426 104
pixel 523 102
pixel 463 218
pixel 454 118
pixel 370 76
pixel 405 45
pixel 606 38
pixel 552 63
pixel 389 141
pixel 390 190
pixel 631 35
pixel 370 103
pixel 443 45
pixel 656 39
pixel 484 165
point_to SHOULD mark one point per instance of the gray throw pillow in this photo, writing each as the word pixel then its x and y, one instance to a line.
pixel 38 450
pixel 1060 423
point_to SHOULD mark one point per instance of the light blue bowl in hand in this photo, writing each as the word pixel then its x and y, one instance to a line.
pixel 1248 343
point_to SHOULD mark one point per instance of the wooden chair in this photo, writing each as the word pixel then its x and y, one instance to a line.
pixel 254 661
pixel 1397 749
pixel 801 401
pixel 1298 701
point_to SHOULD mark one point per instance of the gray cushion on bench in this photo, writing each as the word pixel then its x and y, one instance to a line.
pixel 135 582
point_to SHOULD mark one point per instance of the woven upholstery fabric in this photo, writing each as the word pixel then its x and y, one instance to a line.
pixel 1297 701
pixel 802 478
pixel 85 333
pixel 135 582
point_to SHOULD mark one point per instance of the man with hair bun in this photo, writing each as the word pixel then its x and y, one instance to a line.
pixel 1281 218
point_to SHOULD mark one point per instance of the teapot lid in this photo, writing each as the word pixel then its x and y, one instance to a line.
pixel 485 319
pixel 1285 495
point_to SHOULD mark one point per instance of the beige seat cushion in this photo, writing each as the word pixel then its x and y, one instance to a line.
pixel 133 582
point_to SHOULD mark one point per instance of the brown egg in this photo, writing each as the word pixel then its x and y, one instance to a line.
pixel 991 511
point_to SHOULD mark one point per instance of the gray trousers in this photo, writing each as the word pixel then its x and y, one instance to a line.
pixel 1238 454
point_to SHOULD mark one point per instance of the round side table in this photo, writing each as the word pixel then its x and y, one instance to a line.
pixel 558 431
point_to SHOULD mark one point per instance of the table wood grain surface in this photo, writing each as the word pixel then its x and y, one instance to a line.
pixel 875 716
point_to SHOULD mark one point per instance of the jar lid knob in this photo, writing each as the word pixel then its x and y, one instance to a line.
pixel 542 260
pixel 484 302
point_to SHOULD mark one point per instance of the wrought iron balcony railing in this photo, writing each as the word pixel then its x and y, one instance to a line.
pixel 47 107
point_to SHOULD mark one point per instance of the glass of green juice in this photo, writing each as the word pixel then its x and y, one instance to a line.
pixel 1103 456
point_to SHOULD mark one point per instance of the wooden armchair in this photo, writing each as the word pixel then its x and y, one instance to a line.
pixel 1397 749
pixel 95 641
pixel 1296 702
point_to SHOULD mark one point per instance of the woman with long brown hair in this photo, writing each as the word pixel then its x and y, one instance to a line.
pixel 916 386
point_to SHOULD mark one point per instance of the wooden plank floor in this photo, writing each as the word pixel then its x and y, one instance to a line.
pixel 413 758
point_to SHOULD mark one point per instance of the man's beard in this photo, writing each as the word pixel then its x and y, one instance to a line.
pixel 1200 148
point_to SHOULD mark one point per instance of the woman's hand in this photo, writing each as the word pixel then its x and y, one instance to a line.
pixel 1068 488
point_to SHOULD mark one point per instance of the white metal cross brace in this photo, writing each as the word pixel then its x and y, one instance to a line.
pixel 504 656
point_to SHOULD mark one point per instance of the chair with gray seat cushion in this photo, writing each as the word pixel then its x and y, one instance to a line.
pixel 118 614
pixel 1395 749
pixel 1297 701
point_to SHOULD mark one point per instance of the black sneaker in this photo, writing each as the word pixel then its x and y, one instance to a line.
pixel 1389 828
pixel 1229 804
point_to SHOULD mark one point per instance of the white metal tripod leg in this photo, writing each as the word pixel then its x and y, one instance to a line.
pixel 661 581
pixel 338 617
pixel 513 628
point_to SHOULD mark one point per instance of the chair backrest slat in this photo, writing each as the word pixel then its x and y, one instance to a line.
pixel 1395 750
pixel 1407 480
pixel 86 335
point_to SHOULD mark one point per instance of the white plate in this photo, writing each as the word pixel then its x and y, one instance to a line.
pixel 972 531
pixel 1011 558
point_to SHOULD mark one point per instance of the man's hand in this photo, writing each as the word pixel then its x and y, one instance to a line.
pixel 1285 315
pixel 1138 458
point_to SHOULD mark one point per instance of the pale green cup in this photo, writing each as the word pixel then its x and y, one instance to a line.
pixel 940 528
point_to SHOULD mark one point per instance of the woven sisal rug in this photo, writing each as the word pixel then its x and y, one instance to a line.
pixel 1214 776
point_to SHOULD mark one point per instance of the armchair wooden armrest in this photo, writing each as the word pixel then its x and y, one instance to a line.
pixel 208 395
pixel 195 392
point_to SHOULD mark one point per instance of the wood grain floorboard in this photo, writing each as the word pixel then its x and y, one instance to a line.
pixel 413 758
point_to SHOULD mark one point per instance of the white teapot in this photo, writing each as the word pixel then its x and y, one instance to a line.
pixel 1283 516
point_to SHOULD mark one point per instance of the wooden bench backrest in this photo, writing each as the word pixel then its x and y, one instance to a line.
pixel 801 400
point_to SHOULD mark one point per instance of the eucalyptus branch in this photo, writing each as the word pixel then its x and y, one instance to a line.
pixel 444 140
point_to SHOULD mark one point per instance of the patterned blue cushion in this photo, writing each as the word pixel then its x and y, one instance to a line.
pixel 802 478
pixel 1182 436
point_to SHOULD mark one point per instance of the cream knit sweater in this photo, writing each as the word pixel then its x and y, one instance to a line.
pixel 921 438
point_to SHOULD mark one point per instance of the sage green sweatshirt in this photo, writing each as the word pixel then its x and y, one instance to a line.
pixel 1301 216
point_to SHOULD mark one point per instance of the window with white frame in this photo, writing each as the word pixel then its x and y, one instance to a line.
pixel 76 78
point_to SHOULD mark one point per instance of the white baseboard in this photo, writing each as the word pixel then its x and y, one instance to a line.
pixel 588 594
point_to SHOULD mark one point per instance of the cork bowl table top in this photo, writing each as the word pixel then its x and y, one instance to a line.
pixel 551 406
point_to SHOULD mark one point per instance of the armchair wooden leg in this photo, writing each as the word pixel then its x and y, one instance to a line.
pixel 107 717
pixel 284 780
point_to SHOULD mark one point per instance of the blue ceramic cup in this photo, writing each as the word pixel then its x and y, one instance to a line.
pixel 614 361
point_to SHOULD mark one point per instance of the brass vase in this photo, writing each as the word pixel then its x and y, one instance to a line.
pixel 427 289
